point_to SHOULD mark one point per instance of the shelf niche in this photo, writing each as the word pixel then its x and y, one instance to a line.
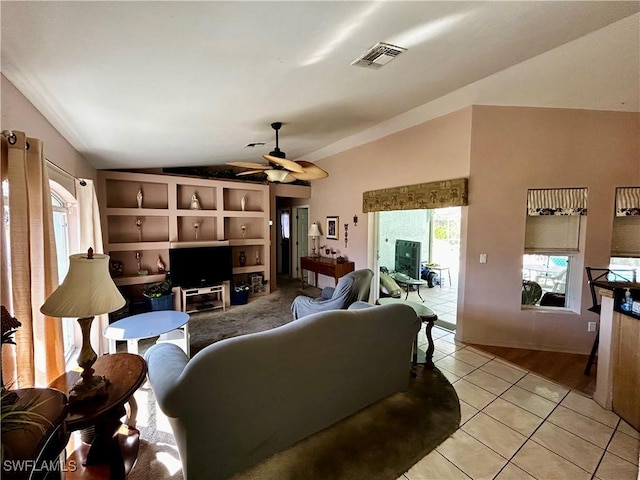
pixel 123 229
pixel 123 194
pixel 206 197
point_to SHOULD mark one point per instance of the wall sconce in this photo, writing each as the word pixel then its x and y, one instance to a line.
pixel 355 220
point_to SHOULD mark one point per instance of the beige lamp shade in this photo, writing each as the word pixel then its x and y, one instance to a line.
pixel 86 291
pixel 314 231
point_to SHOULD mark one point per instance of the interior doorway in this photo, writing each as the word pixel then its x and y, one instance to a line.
pixel 438 233
pixel 283 238
pixel 300 239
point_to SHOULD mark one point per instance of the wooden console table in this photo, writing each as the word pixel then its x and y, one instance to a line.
pixel 325 266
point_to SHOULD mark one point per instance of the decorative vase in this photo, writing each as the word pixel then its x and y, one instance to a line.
pixel 243 203
pixel 195 202
pixel 242 259
pixel 139 197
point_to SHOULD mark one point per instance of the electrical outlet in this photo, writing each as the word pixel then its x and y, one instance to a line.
pixel 591 327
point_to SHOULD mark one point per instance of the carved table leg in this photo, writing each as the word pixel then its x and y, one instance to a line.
pixel 429 356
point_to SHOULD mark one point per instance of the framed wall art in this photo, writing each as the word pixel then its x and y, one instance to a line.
pixel 332 228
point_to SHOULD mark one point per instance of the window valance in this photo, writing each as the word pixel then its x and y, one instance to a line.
pixel 627 201
pixel 557 201
pixel 447 193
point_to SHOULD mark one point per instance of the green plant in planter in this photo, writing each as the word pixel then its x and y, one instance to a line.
pixel 156 290
pixel 14 414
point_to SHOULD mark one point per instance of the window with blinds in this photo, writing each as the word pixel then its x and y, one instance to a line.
pixel 625 241
pixel 552 258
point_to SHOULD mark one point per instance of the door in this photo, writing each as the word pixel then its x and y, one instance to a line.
pixel 299 238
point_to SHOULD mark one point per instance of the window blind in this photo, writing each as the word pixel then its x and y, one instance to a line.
pixel 552 234
pixel 625 240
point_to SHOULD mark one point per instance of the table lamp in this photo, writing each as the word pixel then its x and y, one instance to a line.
pixel 86 291
pixel 314 233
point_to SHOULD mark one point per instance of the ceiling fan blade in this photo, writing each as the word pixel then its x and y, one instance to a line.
pixel 311 171
pixel 249 172
pixel 252 165
pixel 283 162
pixel 289 178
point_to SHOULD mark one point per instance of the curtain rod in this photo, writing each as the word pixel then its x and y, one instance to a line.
pixel 12 139
pixel 83 183
pixel 10 136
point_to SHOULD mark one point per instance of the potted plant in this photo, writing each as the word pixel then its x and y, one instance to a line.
pixel 15 414
pixel 159 295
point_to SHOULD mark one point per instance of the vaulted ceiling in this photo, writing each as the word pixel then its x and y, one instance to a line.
pixel 153 84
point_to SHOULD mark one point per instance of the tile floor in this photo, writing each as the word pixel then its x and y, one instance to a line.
pixel 517 425
pixel 442 300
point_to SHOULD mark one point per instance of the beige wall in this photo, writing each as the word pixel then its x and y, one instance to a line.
pixel 19 114
pixel 504 151
pixel 514 149
pixel 435 150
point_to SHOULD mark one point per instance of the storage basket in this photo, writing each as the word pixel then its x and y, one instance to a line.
pixel 165 302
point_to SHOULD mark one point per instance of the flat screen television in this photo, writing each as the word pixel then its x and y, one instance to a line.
pixel 200 266
pixel 408 258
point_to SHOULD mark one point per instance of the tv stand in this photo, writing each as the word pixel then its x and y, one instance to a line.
pixel 199 299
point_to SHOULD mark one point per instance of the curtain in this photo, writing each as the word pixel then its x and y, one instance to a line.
pixel 627 201
pixel 91 236
pixel 29 266
pixel 557 201
pixel 447 193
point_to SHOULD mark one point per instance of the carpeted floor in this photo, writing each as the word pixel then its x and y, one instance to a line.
pixel 400 429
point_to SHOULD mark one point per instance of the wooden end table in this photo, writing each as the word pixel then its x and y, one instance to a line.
pixel 426 315
pixel 125 373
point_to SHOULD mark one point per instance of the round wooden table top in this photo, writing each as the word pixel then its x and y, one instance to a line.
pixel 125 373
pixel 424 312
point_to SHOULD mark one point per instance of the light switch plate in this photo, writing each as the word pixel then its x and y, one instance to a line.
pixel 483 258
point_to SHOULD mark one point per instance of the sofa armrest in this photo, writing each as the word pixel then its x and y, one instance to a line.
pixel 359 305
pixel 165 363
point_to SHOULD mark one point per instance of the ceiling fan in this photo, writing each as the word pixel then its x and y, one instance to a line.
pixel 279 169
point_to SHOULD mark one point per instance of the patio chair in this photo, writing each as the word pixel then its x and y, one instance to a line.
pixel 531 292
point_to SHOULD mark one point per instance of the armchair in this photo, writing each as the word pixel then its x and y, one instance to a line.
pixel 352 287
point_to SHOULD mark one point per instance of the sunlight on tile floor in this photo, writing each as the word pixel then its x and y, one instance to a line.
pixel 517 425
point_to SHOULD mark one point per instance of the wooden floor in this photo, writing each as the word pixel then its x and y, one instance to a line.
pixel 564 368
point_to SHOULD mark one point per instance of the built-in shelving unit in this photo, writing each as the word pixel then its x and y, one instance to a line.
pixel 138 238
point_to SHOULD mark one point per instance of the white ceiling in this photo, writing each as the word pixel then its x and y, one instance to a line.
pixel 153 84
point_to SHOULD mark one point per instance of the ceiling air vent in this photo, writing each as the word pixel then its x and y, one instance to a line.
pixel 378 55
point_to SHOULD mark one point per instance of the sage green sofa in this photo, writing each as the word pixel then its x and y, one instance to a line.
pixel 240 400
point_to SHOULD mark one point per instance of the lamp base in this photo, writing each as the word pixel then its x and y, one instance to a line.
pixel 89 388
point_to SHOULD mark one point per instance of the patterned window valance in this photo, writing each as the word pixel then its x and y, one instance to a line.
pixel 557 201
pixel 627 201
pixel 447 193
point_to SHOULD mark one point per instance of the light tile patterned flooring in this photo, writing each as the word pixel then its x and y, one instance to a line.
pixel 517 425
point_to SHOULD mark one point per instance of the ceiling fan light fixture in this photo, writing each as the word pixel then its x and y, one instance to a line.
pixel 278 176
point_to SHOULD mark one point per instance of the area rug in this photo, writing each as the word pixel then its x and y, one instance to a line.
pixel 380 442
